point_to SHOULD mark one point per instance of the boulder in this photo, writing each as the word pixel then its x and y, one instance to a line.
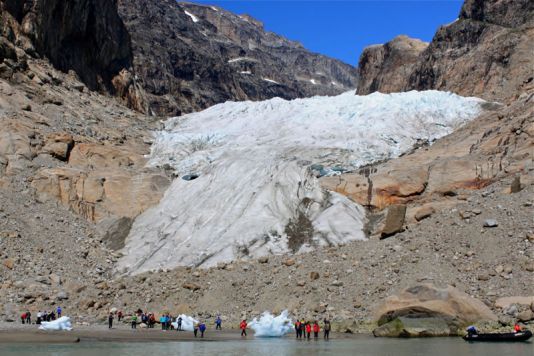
pixel 414 327
pixel 426 301
pixel 59 145
pixel 115 230
pixel 289 262
pixel 314 275
pixel 515 187
pixel 525 316
pixel 9 263
pixel 394 220
pixel 191 286
pixel 424 213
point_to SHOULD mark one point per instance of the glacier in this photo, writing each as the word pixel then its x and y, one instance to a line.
pixel 250 182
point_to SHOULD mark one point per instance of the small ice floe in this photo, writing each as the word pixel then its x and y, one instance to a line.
pixel 62 323
pixel 269 325
pixel 187 322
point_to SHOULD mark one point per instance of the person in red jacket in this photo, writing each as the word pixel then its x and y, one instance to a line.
pixel 308 330
pixel 316 330
pixel 517 328
pixel 243 327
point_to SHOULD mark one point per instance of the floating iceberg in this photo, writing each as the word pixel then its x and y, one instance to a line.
pixel 62 323
pixel 187 323
pixel 255 190
pixel 269 325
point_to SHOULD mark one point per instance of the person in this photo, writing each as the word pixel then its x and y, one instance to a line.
pixel 517 328
pixel 179 323
pixel 302 328
pixel 243 327
pixel 28 317
pixel 110 320
pixel 471 330
pixel 151 320
pixel 218 322
pixel 39 316
pixel 52 316
pixel 202 328
pixel 119 315
pixel 162 322
pixel 134 321
pixel 316 330
pixel 326 329
pixel 45 316
pixel 58 311
pixel 23 317
pixel 308 330
pixel 195 328
pixel 297 329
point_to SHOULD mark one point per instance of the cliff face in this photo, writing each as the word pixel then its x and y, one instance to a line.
pixel 189 57
pixel 385 67
pixel 86 36
pixel 487 52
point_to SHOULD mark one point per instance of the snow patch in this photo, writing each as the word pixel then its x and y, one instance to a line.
pixel 245 72
pixel 193 17
pixel 313 81
pixel 62 323
pixel 214 8
pixel 269 325
pixel 257 191
pixel 270 81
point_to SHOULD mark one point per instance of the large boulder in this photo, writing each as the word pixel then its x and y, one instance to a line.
pixel 429 308
pixel 394 220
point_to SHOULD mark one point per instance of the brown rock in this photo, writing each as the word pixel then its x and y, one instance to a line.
pixel 289 262
pixel 525 316
pixel 424 213
pixel 394 220
pixel 515 187
pixel 263 259
pixel 191 286
pixel 9 263
pixel 59 145
pixel 314 275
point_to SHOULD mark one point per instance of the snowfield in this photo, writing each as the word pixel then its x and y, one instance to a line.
pixel 247 173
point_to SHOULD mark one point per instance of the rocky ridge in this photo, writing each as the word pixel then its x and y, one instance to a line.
pixel 188 57
pixel 486 52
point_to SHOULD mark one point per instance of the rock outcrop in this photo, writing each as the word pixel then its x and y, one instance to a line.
pixel 427 310
pixel 188 57
pixel 85 36
pixel 385 67
pixel 486 52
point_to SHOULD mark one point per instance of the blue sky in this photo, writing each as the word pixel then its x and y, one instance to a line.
pixel 342 28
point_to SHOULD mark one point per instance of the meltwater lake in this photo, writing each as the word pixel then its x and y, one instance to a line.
pixel 358 345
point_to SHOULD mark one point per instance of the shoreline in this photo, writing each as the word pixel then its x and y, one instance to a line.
pixel 99 333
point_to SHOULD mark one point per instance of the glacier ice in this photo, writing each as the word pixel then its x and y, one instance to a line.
pixel 62 323
pixel 269 325
pixel 256 190
pixel 187 322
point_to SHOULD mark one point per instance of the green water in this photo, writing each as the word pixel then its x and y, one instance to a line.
pixel 280 347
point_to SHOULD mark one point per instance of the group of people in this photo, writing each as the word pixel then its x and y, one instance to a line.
pixel 26 317
pixel 303 329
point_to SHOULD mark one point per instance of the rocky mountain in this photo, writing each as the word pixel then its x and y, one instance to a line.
pixel 486 52
pixel 188 57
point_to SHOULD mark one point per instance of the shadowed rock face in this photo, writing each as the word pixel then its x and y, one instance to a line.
pixel 487 52
pixel 85 36
pixel 188 57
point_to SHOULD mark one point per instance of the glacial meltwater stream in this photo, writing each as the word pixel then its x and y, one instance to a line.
pixel 357 345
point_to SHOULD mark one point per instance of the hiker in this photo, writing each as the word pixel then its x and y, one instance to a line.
pixel 134 321
pixel 195 328
pixel 28 317
pixel 316 330
pixel 110 320
pixel 119 315
pixel 39 316
pixel 202 328
pixel 58 311
pixel 23 318
pixel 52 316
pixel 151 320
pixel 218 322
pixel 302 327
pixel 297 329
pixel 517 328
pixel 179 323
pixel 45 316
pixel 243 327
pixel 308 330
pixel 326 329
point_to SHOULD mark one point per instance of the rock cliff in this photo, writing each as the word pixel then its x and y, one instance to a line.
pixel 188 57
pixel 486 52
